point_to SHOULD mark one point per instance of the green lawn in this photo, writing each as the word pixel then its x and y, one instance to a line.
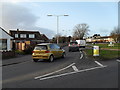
pixel 104 54
pixel 116 46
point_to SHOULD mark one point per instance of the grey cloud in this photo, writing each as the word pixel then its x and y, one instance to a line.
pixel 104 31
pixel 16 16
pixel 46 31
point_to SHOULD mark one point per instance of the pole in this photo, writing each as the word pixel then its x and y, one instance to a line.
pixel 57 24
pixel 57 29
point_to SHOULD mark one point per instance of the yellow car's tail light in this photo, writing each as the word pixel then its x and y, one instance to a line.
pixel 47 51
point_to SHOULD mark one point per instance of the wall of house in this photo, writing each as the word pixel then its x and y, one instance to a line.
pixel 4 35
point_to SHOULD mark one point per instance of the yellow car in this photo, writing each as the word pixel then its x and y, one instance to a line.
pixel 47 51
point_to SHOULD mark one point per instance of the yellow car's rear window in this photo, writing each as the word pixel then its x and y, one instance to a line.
pixel 41 47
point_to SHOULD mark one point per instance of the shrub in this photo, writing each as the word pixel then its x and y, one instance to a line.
pixel 8 54
pixel 19 52
pixel 29 50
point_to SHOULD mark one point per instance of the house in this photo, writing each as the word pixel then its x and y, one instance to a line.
pixel 5 40
pixel 44 38
pixel 23 39
pixel 100 39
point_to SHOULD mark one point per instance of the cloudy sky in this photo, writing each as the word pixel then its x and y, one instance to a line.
pixel 101 17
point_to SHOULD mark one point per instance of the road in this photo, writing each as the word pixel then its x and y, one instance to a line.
pixel 76 70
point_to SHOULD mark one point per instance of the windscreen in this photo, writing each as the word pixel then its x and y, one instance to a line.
pixel 41 47
pixel 73 43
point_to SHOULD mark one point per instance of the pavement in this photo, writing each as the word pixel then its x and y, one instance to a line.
pixel 16 60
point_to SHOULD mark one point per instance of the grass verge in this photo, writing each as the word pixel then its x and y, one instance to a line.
pixel 103 54
pixel 116 46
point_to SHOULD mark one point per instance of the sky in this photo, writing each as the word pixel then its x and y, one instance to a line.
pixel 101 17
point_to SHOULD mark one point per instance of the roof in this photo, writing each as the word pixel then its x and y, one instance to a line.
pixel 44 43
pixel 23 31
pixel 5 31
pixel 44 37
pixel 37 34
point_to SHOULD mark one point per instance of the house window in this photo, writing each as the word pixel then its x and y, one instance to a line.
pixel 22 35
pixel 31 35
pixel 3 44
pixel 16 35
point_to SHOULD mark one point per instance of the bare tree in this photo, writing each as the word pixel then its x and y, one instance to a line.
pixel 116 34
pixel 80 31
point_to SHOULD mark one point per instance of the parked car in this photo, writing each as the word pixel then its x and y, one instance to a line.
pixel 47 51
pixel 73 46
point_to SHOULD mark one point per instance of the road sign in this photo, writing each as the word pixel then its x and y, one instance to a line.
pixel 95 50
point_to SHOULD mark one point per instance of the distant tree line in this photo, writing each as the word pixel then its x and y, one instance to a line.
pixel 82 30
pixel 116 34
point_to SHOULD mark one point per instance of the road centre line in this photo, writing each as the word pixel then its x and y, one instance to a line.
pixel 54 76
pixel 75 68
pixel 118 60
pixel 99 63
pixel 54 71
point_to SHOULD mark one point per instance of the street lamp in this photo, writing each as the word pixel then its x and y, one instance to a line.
pixel 57 23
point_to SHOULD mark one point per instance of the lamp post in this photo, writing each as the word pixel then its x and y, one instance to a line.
pixel 57 24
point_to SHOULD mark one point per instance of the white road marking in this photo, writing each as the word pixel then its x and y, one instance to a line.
pixel 81 55
pixel 54 71
pixel 80 52
pixel 99 63
pixel 118 60
pixel 75 68
pixel 85 54
pixel 64 74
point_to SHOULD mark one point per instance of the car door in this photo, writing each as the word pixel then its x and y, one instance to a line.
pixel 53 50
pixel 59 50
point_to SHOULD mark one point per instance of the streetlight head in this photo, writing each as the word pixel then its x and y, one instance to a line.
pixel 66 15
pixel 49 15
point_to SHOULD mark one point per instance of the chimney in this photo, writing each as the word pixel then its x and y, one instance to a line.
pixel 17 29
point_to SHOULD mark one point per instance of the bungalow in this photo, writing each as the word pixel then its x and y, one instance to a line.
pixel 100 39
pixel 5 40
pixel 23 39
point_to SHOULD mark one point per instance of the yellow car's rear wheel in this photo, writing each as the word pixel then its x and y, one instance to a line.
pixel 51 58
pixel 35 60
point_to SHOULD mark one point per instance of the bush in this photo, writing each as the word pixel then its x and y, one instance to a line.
pixel 19 52
pixel 29 50
pixel 8 54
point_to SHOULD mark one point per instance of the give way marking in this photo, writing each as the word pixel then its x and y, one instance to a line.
pixel 99 63
pixel 54 71
pixel 64 74
pixel 46 76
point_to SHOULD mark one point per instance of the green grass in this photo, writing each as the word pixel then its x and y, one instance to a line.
pixel 104 54
pixel 105 45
